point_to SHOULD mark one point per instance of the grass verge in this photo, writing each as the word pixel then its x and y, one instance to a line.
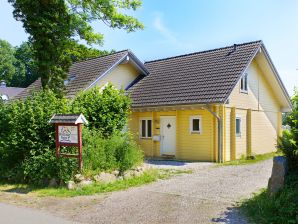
pixel 244 161
pixel 280 208
pixel 96 188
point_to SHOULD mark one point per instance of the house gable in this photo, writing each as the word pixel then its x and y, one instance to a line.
pixel 120 77
pixel 265 89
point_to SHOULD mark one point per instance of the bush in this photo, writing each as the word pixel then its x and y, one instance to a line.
pixel 288 143
pixel 26 129
pixel 117 152
pixel 27 139
pixel 40 168
pixel 281 208
pixel 106 110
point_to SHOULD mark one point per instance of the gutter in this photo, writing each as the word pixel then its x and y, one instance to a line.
pixel 219 134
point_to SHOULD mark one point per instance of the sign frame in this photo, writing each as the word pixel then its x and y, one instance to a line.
pixel 79 144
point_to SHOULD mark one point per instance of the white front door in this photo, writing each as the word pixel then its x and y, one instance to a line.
pixel 168 135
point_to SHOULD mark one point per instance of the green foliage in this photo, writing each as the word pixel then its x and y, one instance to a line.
pixel 282 208
pixel 7 60
pixel 25 66
pixel 288 144
pixel 27 139
pixel 54 25
pixel 26 128
pixel 118 151
pixel 19 69
pixel 39 168
pixel 78 52
pixel 106 110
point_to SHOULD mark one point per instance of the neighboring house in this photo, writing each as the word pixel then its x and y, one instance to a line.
pixel 214 105
pixel 7 93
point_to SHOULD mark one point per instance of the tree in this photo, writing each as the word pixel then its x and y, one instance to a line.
pixel 7 61
pixel 79 52
pixel 53 25
pixel 25 66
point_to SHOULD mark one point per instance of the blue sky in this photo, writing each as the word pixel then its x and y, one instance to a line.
pixel 174 27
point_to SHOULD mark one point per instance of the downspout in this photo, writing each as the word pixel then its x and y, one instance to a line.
pixel 220 131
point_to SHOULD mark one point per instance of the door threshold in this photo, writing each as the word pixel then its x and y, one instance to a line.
pixel 165 156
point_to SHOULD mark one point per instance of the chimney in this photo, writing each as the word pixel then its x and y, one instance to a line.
pixel 3 84
pixel 235 47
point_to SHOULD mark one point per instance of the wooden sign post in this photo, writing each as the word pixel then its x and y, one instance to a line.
pixel 68 130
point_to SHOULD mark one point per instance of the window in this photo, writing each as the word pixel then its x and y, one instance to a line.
pixel 238 126
pixel 146 128
pixel 244 83
pixel 195 124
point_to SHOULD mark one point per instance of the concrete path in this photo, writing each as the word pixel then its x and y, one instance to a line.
pixel 12 214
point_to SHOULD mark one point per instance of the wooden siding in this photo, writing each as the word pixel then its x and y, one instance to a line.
pixel 198 147
pixel 265 113
pixel 120 77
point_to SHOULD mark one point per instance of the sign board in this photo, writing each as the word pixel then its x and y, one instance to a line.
pixel 68 134
pixel 68 130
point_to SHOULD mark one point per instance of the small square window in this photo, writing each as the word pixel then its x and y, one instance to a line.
pixel 195 124
pixel 238 126
pixel 146 128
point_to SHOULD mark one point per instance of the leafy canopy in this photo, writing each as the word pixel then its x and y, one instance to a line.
pixel 7 61
pixel 19 69
pixel 54 25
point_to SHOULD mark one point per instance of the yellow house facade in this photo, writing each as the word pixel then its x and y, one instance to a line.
pixel 215 105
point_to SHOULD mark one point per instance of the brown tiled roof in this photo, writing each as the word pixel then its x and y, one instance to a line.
pixel 197 78
pixel 84 73
pixel 10 91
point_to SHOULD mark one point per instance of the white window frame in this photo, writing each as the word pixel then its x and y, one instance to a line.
pixel 146 127
pixel 191 118
pixel 238 134
pixel 244 83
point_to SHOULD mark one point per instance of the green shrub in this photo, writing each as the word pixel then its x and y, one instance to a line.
pixel 26 128
pixel 106 110
pixel 95 155
pixel 26 137
pixel 289 148
pixel 288 143
pixel 119 151
pixel 40 168
pixel 128 153
pixel 282 208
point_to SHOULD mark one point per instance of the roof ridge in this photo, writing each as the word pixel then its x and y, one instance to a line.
pixel 201 52
pixel 101 56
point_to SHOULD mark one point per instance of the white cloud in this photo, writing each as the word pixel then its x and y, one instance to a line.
pixel 167 34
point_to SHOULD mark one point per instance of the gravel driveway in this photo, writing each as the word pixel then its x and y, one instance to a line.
pixel 208 195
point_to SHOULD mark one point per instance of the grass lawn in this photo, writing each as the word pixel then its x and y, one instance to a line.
pixel 244 160
pixel 96 188
pixel 281 208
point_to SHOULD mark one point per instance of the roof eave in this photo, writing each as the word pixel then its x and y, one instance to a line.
pixel 132 57
pixel 138 63
pixel 277 76
pixel 176 104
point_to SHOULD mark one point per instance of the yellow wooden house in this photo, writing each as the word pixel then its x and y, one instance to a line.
pixel 214 105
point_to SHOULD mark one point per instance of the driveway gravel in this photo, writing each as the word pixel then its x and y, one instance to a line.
pixel 208 195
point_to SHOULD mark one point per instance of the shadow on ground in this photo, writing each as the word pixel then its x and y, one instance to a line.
pixel 166 162
pixel 231 216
